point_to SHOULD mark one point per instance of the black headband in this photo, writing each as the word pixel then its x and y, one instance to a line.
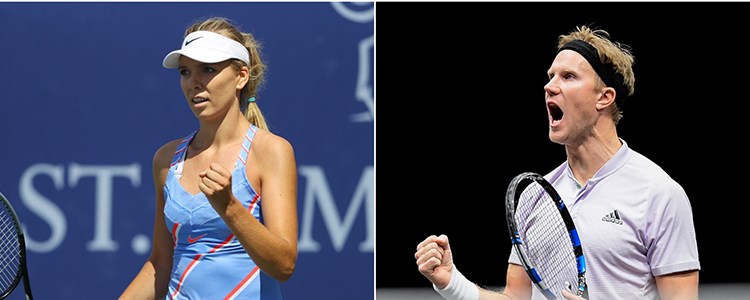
pixel 606 72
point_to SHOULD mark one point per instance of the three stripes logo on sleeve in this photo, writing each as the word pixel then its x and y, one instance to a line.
pixel 613 217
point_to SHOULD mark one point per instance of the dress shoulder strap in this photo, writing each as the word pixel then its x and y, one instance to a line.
pixel 242 160
pixel 178 159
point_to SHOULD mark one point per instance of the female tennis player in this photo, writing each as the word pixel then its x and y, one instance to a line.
pixel 226 218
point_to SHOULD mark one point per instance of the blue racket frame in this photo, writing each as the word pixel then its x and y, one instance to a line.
pixel 515 189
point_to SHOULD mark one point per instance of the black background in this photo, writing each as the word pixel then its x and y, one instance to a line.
pixel 460 111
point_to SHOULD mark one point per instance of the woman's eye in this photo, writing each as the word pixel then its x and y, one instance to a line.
pixel 209 70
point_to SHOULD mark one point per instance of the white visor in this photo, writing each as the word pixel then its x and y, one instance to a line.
pixel 207 47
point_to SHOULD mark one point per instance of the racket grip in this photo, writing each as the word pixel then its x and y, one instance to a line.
pixel 459 288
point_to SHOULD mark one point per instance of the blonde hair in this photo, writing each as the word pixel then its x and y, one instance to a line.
pixel 619 55
pixel 256 68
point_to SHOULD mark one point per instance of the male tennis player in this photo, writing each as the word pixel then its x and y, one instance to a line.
pixel 634 220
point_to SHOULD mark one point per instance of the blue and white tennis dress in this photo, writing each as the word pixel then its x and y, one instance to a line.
pixel 209 262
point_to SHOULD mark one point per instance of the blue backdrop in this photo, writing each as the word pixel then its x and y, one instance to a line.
pixel 86 103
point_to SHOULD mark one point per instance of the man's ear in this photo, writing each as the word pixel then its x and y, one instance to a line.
pixel 606 99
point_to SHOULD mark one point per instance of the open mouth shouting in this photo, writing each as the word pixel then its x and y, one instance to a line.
pixel 555 113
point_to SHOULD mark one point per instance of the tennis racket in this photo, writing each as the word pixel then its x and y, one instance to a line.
pixel 12 252
pixel 544 236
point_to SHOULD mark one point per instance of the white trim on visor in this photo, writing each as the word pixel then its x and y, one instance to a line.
pixel 207 47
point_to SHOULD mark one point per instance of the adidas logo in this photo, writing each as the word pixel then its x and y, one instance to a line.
pixel 613 217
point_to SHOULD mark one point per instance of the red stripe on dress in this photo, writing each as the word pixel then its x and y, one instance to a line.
pixel 242 285
pixel 175 230
pixel 224 243
pixel 252 203
pixel 189 269
pixel 196 260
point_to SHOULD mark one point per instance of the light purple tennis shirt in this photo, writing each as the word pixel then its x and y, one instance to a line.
pixel 635 222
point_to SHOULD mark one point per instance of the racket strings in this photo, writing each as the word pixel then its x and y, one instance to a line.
pixel 546 239
pixel 10 250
